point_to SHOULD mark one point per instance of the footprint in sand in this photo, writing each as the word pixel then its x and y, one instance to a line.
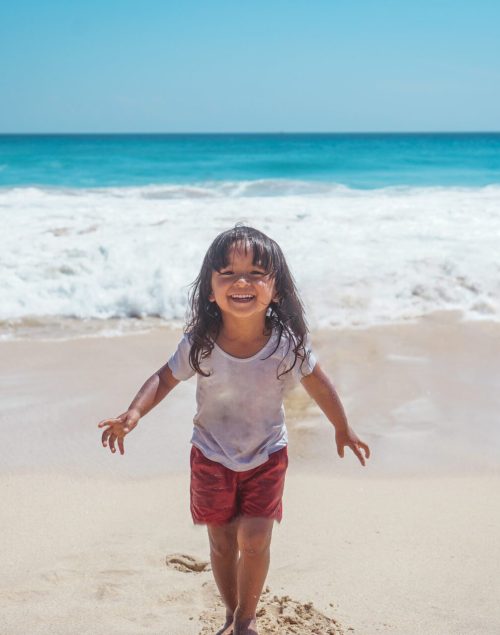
pixel 186 564
pixel 281 616
pixel 108 591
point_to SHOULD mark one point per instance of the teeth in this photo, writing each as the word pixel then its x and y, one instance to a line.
pixel 242 297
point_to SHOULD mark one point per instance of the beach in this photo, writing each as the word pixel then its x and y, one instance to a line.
pixel 94 543
pixel 362 142
pixel 392 240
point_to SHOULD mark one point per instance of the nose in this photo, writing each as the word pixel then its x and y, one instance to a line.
pixel 241 278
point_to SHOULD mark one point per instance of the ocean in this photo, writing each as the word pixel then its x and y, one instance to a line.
pixel 111 229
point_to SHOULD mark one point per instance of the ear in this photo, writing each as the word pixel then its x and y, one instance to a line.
pixel 211 297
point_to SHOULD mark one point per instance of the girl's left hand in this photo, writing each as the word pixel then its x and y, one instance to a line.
pixel 349 438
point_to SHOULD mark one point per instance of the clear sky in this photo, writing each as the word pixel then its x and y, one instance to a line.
pixel 249 65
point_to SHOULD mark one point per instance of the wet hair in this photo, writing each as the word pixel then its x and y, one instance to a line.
pixel 285 314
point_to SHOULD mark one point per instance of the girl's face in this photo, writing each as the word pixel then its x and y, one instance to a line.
pixel 242 289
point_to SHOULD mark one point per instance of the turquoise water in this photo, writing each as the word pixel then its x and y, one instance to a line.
pixel 364 161
pixel 115 226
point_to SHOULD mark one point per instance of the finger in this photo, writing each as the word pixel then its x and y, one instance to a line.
pixel 107 422
pixel 340 451
pixel 105 436
pixel 112 440
pixel 365 448
pixel 357 452
pixel 121 446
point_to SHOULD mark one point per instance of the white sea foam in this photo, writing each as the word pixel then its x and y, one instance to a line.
pixel 359 256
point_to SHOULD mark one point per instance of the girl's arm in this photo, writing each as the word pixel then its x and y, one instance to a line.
pixel 321 389
pixel 152 392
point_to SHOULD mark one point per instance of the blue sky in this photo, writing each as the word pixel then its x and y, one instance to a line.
pixel 249 65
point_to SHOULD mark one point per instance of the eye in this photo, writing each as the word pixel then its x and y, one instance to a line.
pixel 256 272
pixel 225 273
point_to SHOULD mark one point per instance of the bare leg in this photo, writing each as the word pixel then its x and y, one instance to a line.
pixel 254 540
pixel 224 559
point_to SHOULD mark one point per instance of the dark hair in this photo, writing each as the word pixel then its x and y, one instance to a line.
pixel 286 314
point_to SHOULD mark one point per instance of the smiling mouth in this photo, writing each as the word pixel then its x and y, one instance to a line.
pixel 242 297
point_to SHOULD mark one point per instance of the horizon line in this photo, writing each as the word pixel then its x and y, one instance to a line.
pixel 280 132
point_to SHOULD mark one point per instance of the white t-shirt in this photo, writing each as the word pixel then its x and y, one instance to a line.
pixel 240 418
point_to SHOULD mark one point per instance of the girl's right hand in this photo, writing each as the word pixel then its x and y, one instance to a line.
pixel 118 428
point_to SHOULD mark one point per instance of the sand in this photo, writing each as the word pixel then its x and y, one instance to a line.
pixel 94 543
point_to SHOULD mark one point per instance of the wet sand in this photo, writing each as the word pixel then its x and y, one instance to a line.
pixel 94 543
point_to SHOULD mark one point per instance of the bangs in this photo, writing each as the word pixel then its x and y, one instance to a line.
pixel 265 251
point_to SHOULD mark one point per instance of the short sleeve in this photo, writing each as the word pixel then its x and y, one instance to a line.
pixel 179 361
pixel 299 368
pixel 306 367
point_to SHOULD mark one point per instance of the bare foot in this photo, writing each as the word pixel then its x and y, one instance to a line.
pixel 227 629
pixel 246 627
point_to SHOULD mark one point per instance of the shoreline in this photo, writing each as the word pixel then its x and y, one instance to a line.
pixel 63 329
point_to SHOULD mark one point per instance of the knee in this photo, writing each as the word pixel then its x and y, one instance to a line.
pixel 254 544
pixel 223 544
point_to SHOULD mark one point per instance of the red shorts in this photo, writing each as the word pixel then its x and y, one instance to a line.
pixel 219 494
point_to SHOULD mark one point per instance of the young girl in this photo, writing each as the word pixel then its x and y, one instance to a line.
pixel 246 341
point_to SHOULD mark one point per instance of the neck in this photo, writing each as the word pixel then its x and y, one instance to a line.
pixel 242 330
